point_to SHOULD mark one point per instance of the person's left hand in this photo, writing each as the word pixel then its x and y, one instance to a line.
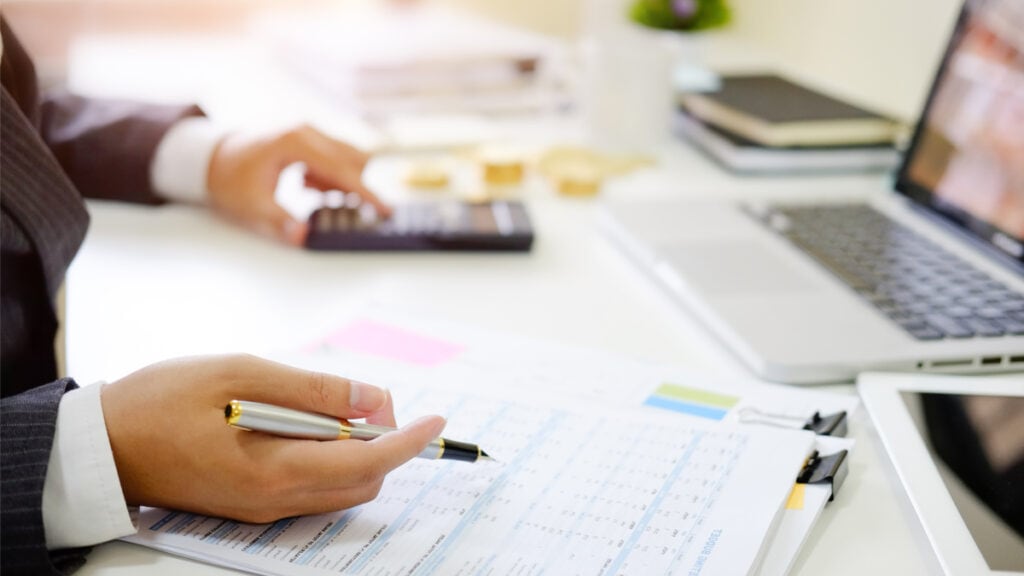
pixel 173 449
pixel 244 170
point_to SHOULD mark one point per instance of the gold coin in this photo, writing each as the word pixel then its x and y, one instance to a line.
pixel 427 175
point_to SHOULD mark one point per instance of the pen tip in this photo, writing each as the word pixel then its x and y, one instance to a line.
pixel 484 456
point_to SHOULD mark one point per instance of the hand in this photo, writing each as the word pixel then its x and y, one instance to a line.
pixel 173 448
pixel 244 170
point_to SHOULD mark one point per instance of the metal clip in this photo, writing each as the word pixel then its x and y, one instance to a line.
pixel 820 469
pixel 829 425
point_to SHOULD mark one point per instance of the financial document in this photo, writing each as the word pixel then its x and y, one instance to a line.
pixel 572 492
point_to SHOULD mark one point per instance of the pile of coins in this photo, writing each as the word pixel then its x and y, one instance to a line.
pixel 572 171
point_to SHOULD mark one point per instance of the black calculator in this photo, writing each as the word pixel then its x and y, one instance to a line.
pixel 478 226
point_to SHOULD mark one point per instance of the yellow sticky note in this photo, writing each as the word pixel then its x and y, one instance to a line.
pixel 796 497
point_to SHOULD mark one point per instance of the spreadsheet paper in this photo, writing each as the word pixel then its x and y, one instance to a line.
pixel 571 492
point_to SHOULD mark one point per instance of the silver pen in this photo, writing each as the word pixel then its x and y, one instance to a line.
pixel 270 419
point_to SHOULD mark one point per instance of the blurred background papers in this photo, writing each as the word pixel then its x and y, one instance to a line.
pixel 384 59
pixel 385 76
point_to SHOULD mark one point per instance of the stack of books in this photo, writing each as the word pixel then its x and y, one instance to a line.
pixel 767 123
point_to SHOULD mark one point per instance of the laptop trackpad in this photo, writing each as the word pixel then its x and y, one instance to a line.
pixel 738 267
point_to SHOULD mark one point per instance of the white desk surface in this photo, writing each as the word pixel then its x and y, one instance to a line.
pixel 153 283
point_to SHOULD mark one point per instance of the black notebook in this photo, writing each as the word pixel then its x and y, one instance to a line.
pixel 774 111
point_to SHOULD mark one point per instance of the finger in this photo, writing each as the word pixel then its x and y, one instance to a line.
pixel 326 171
pixel 355 184
pixel 357 158
pixel 341 151
pixel 308 502
pixel 350 463
pixel 264 381
pixel 386 415
pixel 395 448
pixel 278 223
pixel 349 184
pixel 321 501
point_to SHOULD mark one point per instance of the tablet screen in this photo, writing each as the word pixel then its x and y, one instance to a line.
pixel 977 442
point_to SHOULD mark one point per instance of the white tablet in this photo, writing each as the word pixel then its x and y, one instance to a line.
pixel 957 445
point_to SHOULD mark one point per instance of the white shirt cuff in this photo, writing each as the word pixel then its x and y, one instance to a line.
pixel 82 499
pixel 182 160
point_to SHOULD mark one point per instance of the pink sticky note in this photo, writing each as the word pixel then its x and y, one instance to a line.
pixel 391 342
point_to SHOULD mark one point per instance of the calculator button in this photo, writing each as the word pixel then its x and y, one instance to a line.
pixel 342 219
pixel 323 220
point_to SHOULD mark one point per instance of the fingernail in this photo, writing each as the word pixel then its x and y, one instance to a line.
pixel 442 423
pixel 366 397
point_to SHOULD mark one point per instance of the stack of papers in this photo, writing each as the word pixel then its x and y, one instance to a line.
pixel 592 475
pixel 405 59
pixel 571 492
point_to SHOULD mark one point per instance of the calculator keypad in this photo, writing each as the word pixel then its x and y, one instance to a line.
pixel 424 225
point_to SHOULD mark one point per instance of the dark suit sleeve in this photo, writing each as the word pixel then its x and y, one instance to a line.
pixel 106 146
pixel 28 422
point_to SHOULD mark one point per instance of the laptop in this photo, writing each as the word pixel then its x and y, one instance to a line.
pixel 927 276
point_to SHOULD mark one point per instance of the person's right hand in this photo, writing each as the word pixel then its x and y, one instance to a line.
pixel 173 448
pixel 245 167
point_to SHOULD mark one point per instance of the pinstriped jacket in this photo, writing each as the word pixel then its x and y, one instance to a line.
pixel 52 152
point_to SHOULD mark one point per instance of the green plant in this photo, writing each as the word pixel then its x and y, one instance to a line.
pixel 680 14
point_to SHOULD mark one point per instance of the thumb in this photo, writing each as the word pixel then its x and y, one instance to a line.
pixel 283 226
pixel 394 448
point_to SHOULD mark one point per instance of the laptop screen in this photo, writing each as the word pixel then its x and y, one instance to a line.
pixel 966 160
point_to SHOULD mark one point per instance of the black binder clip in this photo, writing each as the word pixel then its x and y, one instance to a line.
pixel 828 425
pixel 822 469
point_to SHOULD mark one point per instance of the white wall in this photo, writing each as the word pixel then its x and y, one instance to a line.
pixel 881 53
pixel 555 17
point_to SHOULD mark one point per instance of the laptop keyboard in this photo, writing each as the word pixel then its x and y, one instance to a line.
pixel 929 292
